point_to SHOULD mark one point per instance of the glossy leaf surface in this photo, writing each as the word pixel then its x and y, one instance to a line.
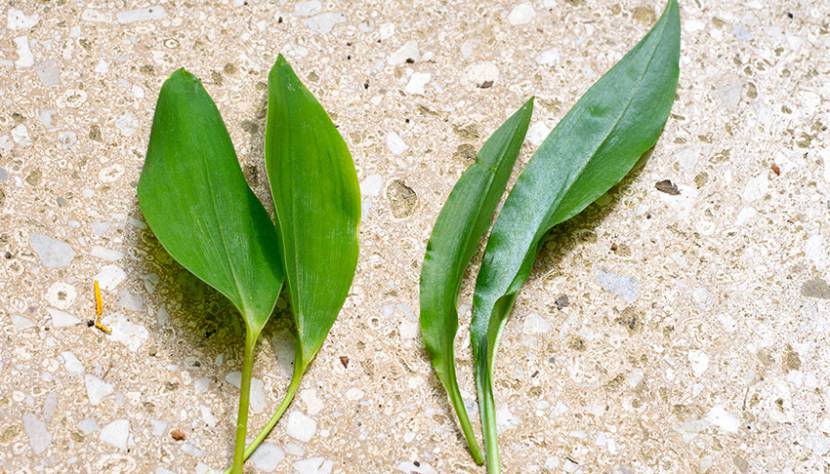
pixel 462 222
pixel 196 201
pixel 317 205
pixel 593 147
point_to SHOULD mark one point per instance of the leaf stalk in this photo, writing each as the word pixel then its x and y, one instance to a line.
pixel 244 399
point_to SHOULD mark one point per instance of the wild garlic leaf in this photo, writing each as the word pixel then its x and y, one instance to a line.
pixel 462 222
pixel 317 206
pixel 195 199
pixel 590 150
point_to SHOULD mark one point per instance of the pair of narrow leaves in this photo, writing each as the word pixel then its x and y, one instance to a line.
pixel 591 149
pixel 196 201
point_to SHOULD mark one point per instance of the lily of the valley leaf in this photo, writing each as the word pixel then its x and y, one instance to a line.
pixel 591 149
pixel 195 199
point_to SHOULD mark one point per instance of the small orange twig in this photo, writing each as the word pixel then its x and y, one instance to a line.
pixel 99 308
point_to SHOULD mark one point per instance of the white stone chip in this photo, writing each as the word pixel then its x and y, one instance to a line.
pixel 756 188
pixel 548 57
pixel 814 250
pixel 371 185
pixel 537 133
pixel 71 363
pixel 116 434
pixel 53 253
pixel 826 156
pixel 417 83
pixel 324 22
pixel 623 286
pixel 481 72
pixel 62 319
pixel 699 361
pixel 724 420
pixel 124 331
pixel 312 403
pixel 307 8
pixel 535 324
pixel 395 143
pixel 21 323
pixel 19 20
pixel 104 253
pixel 267 457
pixel 127 123
pixel 141 14
pixel 521 14
pixel 96 389
pixel 20 135
pixel 39 437
pixel 207 416
pixel 96 16
pixel 354 394
pixel 87 426
pixel 745 215
pixel 409 50
pixel 300 427
pixel 61 295
pixel 316 465
pixel 130 301
pixel 49 73
pixel 110 277
pixel 25 59
pixel 506 420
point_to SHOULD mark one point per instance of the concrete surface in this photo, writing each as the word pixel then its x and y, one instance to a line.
pixel 659 332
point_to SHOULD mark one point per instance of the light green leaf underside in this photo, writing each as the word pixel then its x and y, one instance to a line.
pixel 195 199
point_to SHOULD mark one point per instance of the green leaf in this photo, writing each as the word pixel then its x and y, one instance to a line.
pixel 195 199
pixel 590 150
pixel 462 222
pixel 317 205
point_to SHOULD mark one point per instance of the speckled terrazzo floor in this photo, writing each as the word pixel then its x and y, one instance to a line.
pixel 659 332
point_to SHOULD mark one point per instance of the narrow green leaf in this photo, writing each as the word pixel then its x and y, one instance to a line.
pixel 590 150
pixel 195 199
pixel 462 222
pixel 317 205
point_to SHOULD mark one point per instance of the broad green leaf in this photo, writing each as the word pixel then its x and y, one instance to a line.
pixel 317 205
pixel 195 199
pixel 590 150
pixel 462 222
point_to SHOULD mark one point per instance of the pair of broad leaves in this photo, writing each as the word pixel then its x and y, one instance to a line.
pixel 195 199
pixel 591 149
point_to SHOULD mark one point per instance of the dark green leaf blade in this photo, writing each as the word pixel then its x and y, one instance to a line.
pixel 455 237
pixel 591 149
pixel 195 199
pixel 317 204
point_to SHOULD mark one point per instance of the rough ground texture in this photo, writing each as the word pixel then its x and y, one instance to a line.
pixel 674 327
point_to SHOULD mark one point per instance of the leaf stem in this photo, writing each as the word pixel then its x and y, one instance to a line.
pixel 244 398
pixel 461 411
pixel 296 377
pixel 487 409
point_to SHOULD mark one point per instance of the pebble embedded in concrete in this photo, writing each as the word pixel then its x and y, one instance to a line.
pixel 300 426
